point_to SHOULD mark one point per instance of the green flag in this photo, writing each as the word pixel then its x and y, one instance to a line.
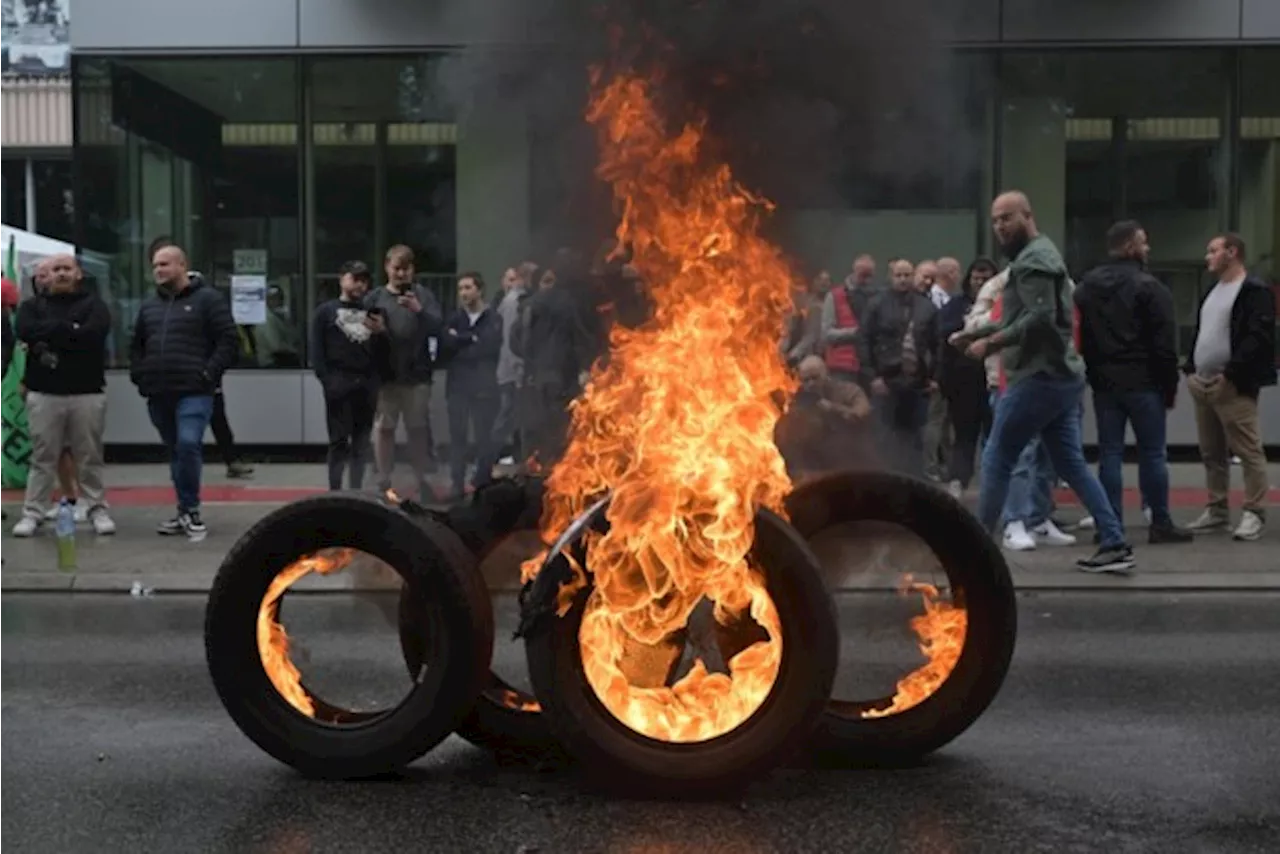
pixel 17 437
pixel 11 261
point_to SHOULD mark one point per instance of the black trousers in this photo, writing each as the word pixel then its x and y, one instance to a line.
pixel 471 415
pixel 970 409
pixel 349 410
pixel 903 413
pixel 222 430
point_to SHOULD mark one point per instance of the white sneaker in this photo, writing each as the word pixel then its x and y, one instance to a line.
pixel 1146 514
pixel 507 461
pixel 1016 538
pixel 1086 524
pixel 102 522
pixel 27 526
pixel 1051 535
pixel 956 490
pixel 1210 520
pixel 1250 527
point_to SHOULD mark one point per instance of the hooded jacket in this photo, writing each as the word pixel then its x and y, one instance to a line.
pixel 183 341
pixel 1127 330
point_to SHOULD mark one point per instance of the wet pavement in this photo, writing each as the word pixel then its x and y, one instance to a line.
pixel 1129 722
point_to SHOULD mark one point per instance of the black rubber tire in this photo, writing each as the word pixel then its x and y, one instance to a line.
pixel 979 579
pixel 433 563
pixel 497 722
pixel 622 760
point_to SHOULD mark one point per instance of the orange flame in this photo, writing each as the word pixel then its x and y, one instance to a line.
pixel 941 631
pixel 273 641
pixel 679 426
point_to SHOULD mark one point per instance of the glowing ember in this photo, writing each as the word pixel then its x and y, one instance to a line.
pixel 941 630
pixel 679 426
pixel 273 642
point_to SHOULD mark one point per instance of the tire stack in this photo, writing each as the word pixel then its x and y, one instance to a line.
pixel 447 635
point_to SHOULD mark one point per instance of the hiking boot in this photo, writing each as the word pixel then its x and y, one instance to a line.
pixel 1250 527
pixel 1209 521
pixel 1117 559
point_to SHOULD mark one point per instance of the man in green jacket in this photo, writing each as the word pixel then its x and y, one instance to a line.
pixel 1045 375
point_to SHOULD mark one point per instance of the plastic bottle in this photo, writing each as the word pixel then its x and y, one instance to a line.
pixel 65 528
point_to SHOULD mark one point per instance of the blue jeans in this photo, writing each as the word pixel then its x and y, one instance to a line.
pixel 1145 410
pixel 1030 498
pixel 181 422
pixel 1048 407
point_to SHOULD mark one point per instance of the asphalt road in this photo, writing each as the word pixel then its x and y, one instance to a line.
pixel 1129 722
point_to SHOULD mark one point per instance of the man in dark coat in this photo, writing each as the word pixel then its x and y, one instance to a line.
pixel 183 341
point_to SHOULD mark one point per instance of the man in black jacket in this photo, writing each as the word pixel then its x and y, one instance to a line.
pixel 183 341
pixel 348 350
pixel 901 334
pixel 1231 360
pixel 1127 339
pixel 65 329
pixel 470 347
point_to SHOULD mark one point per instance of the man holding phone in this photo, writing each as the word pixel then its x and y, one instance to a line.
pixel 411 316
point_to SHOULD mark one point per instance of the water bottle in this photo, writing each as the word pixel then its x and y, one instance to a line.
pixel 65 528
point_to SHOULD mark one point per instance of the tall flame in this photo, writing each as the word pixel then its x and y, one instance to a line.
pixel 273 641
pixel 678 426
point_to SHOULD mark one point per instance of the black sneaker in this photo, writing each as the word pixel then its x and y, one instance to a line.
pixel 239 471
pixel 193 526
pixel 1158 534
pixel 171 527
pixel 1118 559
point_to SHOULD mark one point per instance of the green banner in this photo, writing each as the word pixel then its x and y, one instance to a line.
pixel 17 435
pixel 17 438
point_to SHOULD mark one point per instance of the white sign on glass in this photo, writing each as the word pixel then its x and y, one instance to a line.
pixel 249 300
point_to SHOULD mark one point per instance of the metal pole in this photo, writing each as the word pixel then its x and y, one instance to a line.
pixel 29 176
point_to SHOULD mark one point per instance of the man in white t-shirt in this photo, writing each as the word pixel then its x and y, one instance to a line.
pixel 1232 360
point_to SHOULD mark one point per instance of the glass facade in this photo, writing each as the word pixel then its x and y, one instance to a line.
pixel 208 151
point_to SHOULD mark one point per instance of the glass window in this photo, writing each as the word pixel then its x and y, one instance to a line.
pixel 1096 136
pixel 204 152
pixel 15 191
pixel 914 174
pixel 54 210
pixel 1260 164
pixel 383 167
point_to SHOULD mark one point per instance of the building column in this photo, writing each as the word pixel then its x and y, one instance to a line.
pixel 29 181
pixel 1034 159
pixel 492 192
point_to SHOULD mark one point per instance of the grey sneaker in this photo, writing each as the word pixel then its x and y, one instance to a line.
pixel 193 526
pixel 1208 521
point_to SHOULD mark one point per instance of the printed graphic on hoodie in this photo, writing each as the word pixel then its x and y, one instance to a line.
pixel 351 322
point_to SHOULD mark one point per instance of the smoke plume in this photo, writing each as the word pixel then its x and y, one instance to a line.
pixel 808 102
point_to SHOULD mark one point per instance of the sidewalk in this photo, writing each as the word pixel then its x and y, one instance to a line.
pixel 141 498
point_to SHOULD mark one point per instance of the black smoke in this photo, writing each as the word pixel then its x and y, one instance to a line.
pixel 811 103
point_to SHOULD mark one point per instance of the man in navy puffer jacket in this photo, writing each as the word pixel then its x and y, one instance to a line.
pixel 183 341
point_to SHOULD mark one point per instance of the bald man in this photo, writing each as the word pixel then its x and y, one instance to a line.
pixel 65 329
pixel 1045 379
pixel 183 341
pixel 825 427
pixel 68 480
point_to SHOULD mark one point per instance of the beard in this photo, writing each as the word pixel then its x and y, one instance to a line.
pixel 1015 244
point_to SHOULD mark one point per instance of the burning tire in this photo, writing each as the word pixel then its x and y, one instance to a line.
pixel 624 759
pixel 504 719
pixel 302 730
pixel 891 730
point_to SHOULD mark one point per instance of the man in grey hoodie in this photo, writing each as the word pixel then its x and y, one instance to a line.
pixel 510 366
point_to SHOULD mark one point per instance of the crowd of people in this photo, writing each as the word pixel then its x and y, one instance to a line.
pixel 938 371
pixel 923 371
